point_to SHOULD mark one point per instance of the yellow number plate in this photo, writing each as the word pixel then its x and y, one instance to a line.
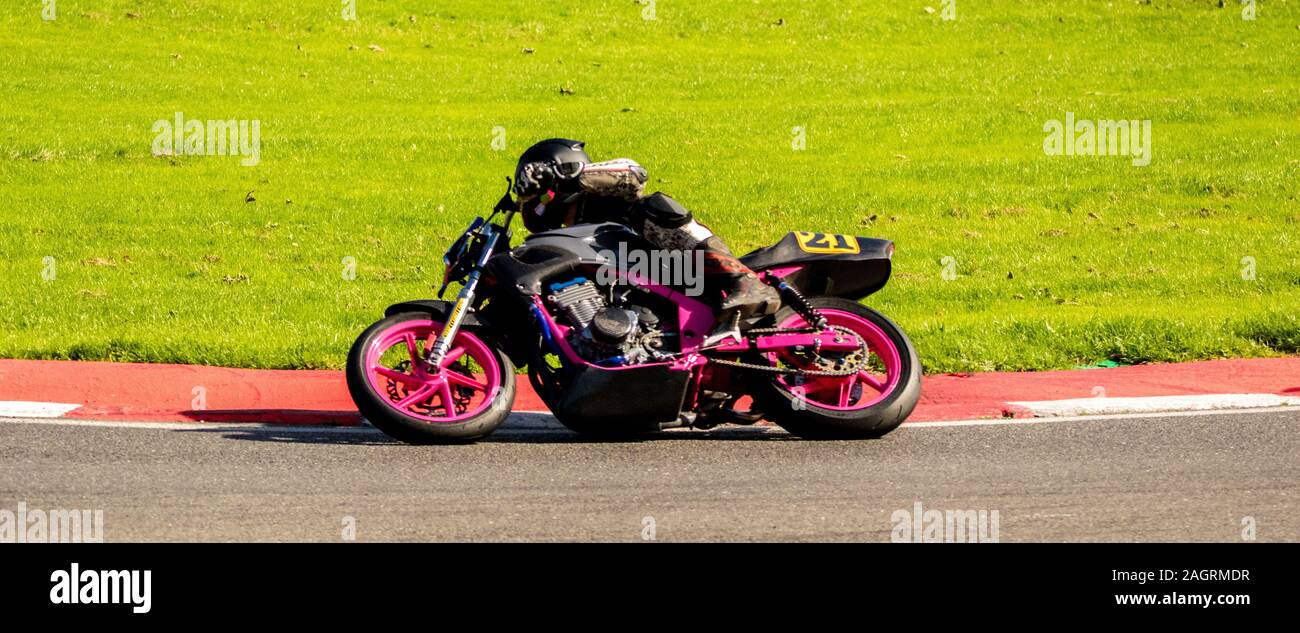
pixel 826 242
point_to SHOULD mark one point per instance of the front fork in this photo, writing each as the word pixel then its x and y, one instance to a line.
pixel 464 299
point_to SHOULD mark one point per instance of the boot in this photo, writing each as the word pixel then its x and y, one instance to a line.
pixel 743 293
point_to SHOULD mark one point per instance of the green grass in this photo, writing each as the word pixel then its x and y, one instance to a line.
pixel 925 131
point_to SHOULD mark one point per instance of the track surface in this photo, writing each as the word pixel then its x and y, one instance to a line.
pixel 1164 478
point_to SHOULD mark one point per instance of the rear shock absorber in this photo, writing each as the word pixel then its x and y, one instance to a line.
pixel 797 301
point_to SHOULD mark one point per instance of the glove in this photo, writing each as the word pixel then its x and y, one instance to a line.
pixel 535 178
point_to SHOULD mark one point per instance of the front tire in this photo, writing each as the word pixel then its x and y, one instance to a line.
pixel 870 405
pixel 465 399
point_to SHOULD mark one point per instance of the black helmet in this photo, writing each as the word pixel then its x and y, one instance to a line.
pixel 546 161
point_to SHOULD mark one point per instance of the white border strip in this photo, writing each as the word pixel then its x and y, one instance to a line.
pixel 367 430
pixel 26 409
pixel 1151 404
pixel 1095 418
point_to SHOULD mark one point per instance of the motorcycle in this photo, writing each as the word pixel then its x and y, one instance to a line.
pixel 618 354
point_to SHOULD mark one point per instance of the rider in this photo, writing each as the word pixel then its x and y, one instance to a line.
pixel 558 185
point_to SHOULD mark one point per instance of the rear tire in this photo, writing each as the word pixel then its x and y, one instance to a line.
pixel 806 419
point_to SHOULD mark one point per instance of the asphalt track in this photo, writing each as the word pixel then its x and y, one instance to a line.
pixel 1165 477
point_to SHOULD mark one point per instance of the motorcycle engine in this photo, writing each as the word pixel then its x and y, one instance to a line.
pixel 604 334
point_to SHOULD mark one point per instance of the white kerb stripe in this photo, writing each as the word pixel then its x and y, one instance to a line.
pixel 24 409
pixel 1148 404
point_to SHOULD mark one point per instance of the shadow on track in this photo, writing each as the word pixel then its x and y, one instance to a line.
pixel 521 428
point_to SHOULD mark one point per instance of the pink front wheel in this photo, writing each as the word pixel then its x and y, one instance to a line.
pixel 867 403
pixel 465 397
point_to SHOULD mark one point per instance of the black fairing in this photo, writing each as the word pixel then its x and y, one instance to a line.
pixel 849 275
pixel 586 240
pixel 638 398
pixel 525 273
pixel 547 255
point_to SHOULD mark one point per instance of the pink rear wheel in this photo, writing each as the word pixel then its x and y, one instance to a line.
pixel 880 359
pixel 868 402
pixel 464 397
